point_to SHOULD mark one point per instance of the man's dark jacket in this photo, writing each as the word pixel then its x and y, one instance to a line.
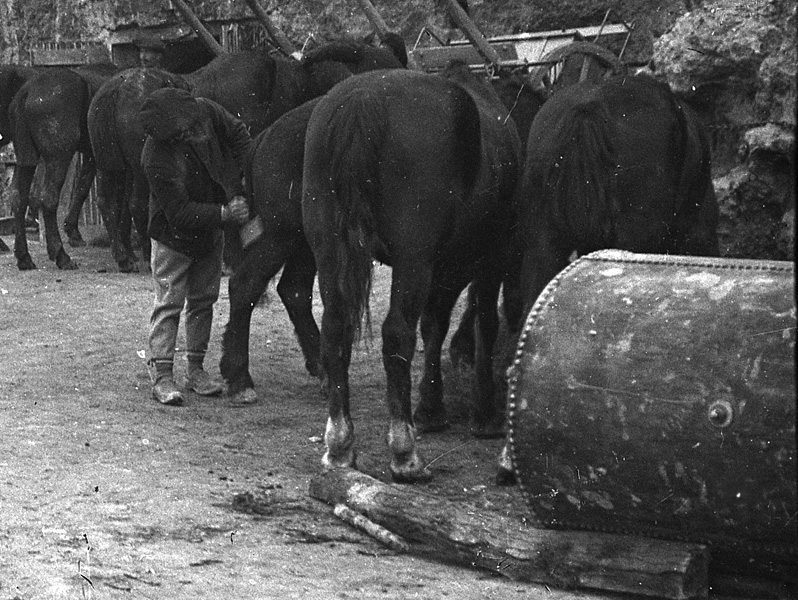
pixel 190 181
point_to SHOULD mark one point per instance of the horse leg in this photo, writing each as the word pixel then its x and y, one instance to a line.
pixel 78 199
pixel 337 337
pixel 487 414
pixel 20 199
pixel 296 291
pixel 110 195
pixel 246 286
pixel 409 289
pixel 126 230
pixel 55 173
pixel 430 414
pixel 546 257
pixel 461 347
pixel 139 199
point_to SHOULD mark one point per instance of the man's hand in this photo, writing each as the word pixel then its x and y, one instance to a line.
pixel 236 210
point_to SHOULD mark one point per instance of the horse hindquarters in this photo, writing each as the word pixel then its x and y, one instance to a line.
pixel 340 194
pixel 344 265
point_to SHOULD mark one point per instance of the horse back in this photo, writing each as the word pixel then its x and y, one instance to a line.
pixel 254 85
pixel 114 126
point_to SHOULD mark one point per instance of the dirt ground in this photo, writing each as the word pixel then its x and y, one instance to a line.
pixel 106 494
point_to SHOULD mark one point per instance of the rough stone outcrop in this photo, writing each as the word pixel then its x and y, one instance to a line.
pixel 735 62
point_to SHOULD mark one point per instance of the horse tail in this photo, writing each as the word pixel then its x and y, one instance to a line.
pixel 103 134
pixel 579 180
pixel 24 145
pixel 697 209
pixel 355 137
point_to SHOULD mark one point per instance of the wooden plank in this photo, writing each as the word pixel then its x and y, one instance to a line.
pixel 464 534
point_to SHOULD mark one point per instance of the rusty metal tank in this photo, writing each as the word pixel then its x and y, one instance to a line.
pixel 656 395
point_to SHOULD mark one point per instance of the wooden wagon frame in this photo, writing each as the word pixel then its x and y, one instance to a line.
pixel 515 51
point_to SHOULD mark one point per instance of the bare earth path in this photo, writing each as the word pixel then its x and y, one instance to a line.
pixel 106 494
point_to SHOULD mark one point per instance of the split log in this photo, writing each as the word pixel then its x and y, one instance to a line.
pixel 379 533
pixel 466 535
pixel 202 33
pixel 279 38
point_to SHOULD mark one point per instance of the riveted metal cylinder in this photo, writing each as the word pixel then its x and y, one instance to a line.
pixel 656 395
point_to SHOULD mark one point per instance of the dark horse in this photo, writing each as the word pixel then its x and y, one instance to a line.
pixel 274 184
pixel 616 164
pixel 417 171
pixel 255 85
pixel 47 123
pixel 117 138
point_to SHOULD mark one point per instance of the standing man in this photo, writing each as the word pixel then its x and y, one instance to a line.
pixel 193 158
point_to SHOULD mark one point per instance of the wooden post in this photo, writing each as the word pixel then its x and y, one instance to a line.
pixel 374 18
pixel 474 35
pixel 470 536
pixel 202 33
pixel 277 36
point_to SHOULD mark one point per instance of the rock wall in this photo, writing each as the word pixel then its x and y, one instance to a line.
pixel 735 62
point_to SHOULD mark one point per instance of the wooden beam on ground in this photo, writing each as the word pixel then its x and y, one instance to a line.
pixel 279 38
pixel 467 535
pixel 202 33
pixel 374 18
pixel 473 33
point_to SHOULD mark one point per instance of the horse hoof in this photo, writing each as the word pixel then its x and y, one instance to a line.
pixel 505 477
pixel 245 397
pixel 411 476
pixel 64 262
pixel 314 368
pixel 488 431
pixel 74 238
pixel 344 460
pixel 430 421
pixel 67 265
pixel 25 263
pixel 128 266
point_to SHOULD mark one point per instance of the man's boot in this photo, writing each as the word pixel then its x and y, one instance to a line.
pixel 165 390
pixel 198 380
